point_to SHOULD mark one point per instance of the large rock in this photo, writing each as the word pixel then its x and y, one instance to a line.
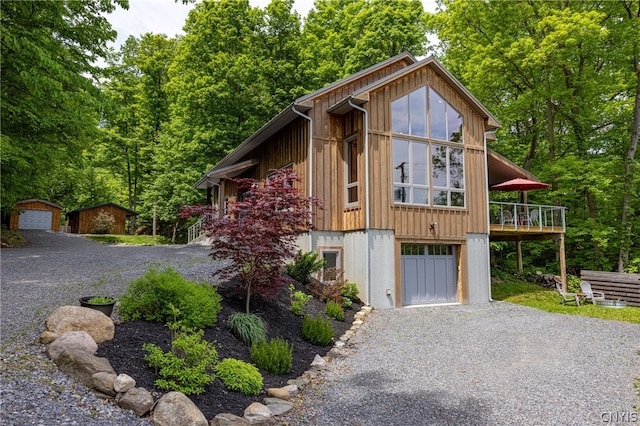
pixel 103 383
pixel 123 383
pixel 75 318
pixel 228 419
pixel 72 339
pixel 175 409
pixel 82 365
pixel 258 414
pixel 139 400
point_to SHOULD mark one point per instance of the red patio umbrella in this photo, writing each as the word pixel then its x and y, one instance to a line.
pixel 519 184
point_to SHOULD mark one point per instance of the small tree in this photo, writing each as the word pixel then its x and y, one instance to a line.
pixel 103 223
pixel 258 234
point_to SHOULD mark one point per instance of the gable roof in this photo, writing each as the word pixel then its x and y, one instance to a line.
pixel 286 116
pixel 360 96
pixel 35 200
pixel 129 212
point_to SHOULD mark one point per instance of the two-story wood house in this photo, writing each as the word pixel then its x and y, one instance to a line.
pixel 398 154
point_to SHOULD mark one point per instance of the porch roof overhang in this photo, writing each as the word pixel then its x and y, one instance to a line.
pixel 501 169
pixel 213 177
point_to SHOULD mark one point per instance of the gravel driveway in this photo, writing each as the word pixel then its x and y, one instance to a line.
pixel 489 364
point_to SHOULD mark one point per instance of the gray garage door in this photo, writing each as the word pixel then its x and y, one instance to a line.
pixel 429 274
pixel 35 219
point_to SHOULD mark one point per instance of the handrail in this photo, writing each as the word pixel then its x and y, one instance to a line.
pixel 527 217
pixel 196 230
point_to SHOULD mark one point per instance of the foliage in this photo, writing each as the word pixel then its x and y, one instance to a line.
pixel 349 294
pixel 240 376
pixel 49 102
pixel 103 223
pixel 275 357
pixel 573 284
pixel 333 310
pixel 317 331
pixel 188 367
pixel 153 297
pixel 249 328
pixel 260 232
pixel 101 300
pixel 298 300
pixel 303 265
pixel 332 287
pixel 134 240
pixel 12 238
pixel 534 296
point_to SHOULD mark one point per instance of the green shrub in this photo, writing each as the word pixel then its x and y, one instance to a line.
pixel 101 300
pixel 298 300
pixel 276 357
pixel 333 310
pixel 303 265
pixel 318 331
pixel 152 296
pixel 103 223
pixel 188 367
pixel 240 376
pixel 350 291
pixel 249 328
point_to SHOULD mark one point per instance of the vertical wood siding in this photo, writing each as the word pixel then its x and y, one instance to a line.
pixel 14 219
pixel 81 222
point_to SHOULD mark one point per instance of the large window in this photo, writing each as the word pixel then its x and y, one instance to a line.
pixel 351 170
pixel 428 168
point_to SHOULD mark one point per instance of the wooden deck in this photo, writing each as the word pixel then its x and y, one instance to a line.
pixel 517 222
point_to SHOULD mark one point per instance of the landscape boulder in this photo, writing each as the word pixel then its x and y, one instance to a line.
pixel 123 383
pixel 138 400
pixel 175 409
pixel 82 365
pixel 103 383
pixel 228 419
pixel 76 318
pixel 71 339
pixel 258 414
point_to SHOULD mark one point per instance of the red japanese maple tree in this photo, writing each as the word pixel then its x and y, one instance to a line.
pixel 259 232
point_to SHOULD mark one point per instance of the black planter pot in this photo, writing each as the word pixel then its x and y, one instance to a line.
pixel 105 308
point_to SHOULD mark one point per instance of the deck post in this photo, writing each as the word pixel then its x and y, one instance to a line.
pixel 563 264
pixel 519 252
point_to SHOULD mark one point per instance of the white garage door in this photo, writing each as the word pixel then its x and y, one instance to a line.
pixel 429 274
pixel 35 219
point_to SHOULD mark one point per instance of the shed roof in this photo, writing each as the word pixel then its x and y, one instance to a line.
pixel 35 200
pixel 129 212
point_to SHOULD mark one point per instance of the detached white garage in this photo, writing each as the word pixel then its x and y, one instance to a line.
pixel 36 214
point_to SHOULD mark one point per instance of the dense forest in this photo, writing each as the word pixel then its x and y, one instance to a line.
pixel 562 77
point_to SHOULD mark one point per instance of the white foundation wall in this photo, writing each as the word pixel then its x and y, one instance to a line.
pixel 478 270
pixel 355 270
pixel 382 272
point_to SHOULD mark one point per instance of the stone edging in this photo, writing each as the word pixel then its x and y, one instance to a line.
pixel 74 355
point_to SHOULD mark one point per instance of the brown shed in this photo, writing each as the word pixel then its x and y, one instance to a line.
pixel 36 214
pixel 80 220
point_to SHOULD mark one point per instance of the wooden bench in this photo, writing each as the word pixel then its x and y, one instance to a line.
pixel 615 285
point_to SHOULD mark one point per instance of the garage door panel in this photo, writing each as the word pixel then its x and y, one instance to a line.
pixel 35 219
pixel 430 277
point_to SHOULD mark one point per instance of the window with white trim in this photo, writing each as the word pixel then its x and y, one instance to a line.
pixel 428 162
pixel 351 171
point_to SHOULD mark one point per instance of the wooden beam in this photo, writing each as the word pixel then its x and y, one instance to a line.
pixel 519 251
pixel 563 264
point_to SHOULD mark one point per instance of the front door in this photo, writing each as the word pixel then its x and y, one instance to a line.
pixel 429 274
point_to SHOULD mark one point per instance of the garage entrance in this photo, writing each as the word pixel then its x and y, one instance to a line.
pixel 429 274
pixel 35 219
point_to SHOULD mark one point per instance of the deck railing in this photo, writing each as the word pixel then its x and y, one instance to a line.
pixel 197 229
pixel 527 217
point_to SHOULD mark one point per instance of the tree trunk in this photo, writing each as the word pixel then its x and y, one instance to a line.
pixel 625 224
pixel 248 302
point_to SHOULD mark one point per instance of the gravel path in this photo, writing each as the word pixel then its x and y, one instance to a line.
pixel 491 364
pixel 494 364
pixel 54 270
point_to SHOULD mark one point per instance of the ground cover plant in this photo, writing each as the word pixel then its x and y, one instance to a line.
pixel 535 296
pixel 134 240
pixel 127 356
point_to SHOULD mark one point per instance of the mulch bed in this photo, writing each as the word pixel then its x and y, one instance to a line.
pixel 126 355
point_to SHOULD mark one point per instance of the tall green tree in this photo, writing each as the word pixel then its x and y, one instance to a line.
pixel 49 100
pixel 550 73
pixel 341 37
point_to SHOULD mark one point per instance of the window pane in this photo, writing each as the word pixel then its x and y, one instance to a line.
pixel 419 163
pixel 440 198
pixel 352 154
pixel 400 194
pixel 352 194
pixel 454 124
pixel 400 115
pixel 331 259
pixel 418 109
pixel 456 168
pixel 400 161
pixel 439 165
pixel 457 199
pixel 437 116
pixel 420 196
